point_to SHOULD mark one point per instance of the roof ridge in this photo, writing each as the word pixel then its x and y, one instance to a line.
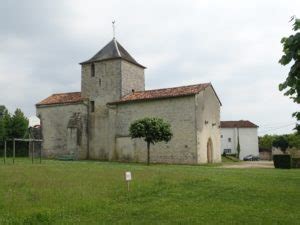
pixel 238 123
pixel 170 92
pixel 112 50
pixel 234 120
pixel 172 87
pixel 67 93
pixel 117 48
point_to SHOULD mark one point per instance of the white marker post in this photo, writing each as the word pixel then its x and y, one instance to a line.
pixel 128 178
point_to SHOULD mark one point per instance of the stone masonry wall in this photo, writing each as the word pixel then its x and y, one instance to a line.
pixel 207 124
pixel 132 78
pixel 112 79
pixel 179 112
pixel 54 121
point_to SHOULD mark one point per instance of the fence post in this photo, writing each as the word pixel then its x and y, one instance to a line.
pixel 32 153
pixel 4 158
pixel 29 150
pixel 14 150
pixel 40 152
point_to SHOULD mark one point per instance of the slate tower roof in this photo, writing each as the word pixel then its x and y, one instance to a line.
pixel 113 50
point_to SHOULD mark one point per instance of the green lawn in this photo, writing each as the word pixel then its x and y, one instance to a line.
pixel 56 192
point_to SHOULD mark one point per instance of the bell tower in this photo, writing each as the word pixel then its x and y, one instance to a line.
pixel 111 74
pixel 108 76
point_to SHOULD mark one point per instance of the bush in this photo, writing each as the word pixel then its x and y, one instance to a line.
pixel 282 161
pixel 295 162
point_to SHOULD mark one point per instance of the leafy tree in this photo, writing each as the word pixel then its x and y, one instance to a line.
pixel 5 122
pixel 281 142
pixel 294 140
pixel 2 110
pixel 238 148
pixel 291 53
pixel 19 124
pixel 12 126
pixel 153 130
pixel 266 141
pixel 2 131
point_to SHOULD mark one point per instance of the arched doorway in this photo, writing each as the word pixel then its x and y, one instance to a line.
pixel 209 151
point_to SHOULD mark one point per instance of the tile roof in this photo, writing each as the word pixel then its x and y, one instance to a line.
pixel 113 50
pixel 162 93
pixel 75 97
pixel 62 98
pixel 239 124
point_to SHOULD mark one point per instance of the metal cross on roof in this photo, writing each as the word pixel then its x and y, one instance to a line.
pixel 114 28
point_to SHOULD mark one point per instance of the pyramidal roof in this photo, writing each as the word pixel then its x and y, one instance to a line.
pixel 113 50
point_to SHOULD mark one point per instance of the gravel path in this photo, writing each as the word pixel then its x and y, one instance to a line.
pixel 250 164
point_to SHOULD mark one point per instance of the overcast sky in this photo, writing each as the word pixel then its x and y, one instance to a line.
pixel 233 44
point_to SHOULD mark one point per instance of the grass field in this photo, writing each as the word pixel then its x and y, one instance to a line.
pixel 56 192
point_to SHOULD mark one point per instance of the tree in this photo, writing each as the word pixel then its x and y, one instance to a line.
pixel 294 140
pixel 291 53
pixel 19 124
pixel 266 141
pixel 2 110
pixel 2 131
pixel 5 122
pixel 281 142
pixel 238 148
pixel 153 130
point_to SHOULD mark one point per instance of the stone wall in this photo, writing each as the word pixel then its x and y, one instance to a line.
pixel 207 125
pixel 265 155
pixel 54 123
pixel 112 79
pixel 132 78
pixel 105 86
pixel 179 112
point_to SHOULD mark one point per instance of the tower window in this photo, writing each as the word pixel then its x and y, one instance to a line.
pixel 229 139
pixel 92 70
pixel 100 82
pixel 92 106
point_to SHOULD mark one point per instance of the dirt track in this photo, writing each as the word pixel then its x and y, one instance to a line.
pixel 250 164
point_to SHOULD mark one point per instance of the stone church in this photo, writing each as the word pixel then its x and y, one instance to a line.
pixel 94 123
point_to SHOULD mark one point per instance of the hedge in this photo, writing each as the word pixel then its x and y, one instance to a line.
pixel 295 162
pixel 282 161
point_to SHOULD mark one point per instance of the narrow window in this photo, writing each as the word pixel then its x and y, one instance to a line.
pixel 92 106
pixel 92 70
pixel 227 151
pixel 100 82
pixel 221 136
pixel 229 139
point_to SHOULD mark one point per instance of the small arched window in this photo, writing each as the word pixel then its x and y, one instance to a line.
pixel 92 70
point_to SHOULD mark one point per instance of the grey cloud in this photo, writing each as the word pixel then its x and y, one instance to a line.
pixel 235 45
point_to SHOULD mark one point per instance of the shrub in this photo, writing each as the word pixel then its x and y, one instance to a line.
pixel 282 161
pixel 295 162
